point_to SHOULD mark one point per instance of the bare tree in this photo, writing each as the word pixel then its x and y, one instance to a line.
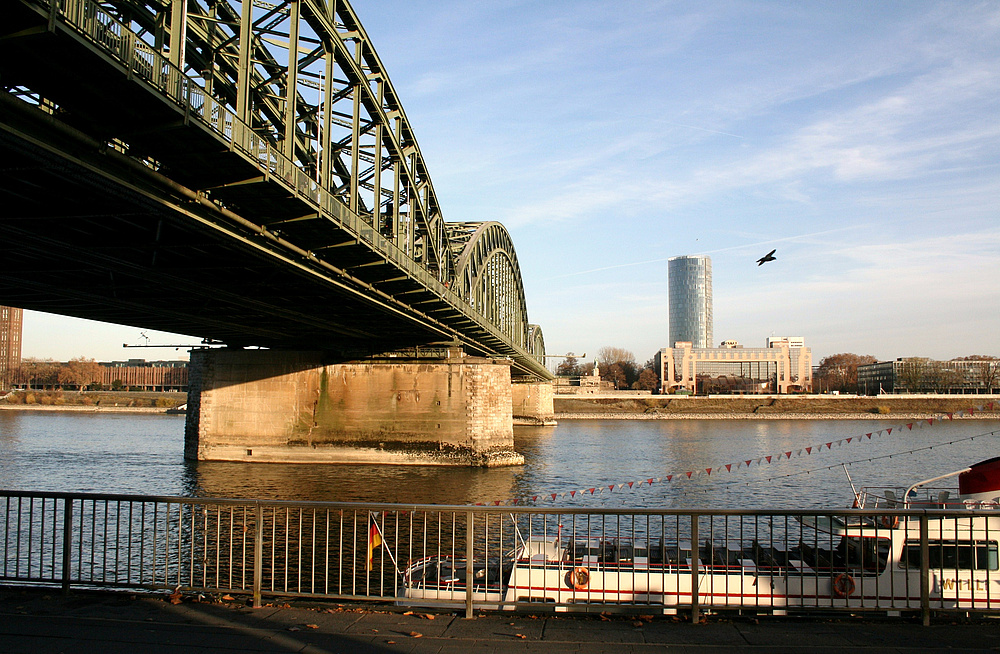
pixel 913 374
pixel 984 370
pixel 840 371
pixel 609 357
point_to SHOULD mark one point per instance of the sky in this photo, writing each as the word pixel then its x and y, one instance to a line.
pixel 859 139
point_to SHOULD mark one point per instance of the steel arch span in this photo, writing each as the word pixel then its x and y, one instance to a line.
pixel 260 139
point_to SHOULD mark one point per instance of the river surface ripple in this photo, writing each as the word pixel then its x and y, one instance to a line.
pixel 143 454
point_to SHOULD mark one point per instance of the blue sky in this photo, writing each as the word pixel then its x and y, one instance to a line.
pixel 860 139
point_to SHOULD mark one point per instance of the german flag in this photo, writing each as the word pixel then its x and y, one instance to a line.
pixel 374 540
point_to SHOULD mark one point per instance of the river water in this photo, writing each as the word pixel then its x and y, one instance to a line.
pixel 143 454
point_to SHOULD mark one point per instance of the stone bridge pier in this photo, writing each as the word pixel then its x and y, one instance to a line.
pixel 296 407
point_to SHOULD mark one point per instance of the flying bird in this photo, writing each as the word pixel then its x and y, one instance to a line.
pixel 767 257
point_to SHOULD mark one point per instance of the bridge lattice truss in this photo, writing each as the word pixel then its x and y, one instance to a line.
pixel 297 88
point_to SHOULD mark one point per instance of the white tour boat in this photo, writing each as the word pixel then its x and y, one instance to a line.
pixel 852 560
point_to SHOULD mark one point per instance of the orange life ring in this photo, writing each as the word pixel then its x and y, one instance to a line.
pixel 890 521
pixel 843 585
pixel 578 578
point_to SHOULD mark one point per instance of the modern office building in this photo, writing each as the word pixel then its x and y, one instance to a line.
pixel 690 299
pixel 922 375
pixel 10 345
pixel 784 366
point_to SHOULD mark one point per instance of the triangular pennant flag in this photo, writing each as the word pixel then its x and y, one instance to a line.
pixel 515 500
pixel 649 481
pixel 768 459
pixel 496 502
pixel 889 430
pixel 572 493
pixel 869 436
pixel 480 504
pixel 729 467
pixel 689 474
pixel 850 439
pixel 593 489
pixel 708 470
pixel 840 442
pixel 950 416
pixel 809 450
pixel 909 426
pixel 748 462
pixel 788 455
pixel 930 421
pixel 669 477
pixel 798 452
pixel 534 498
pixel 611 488
pixel 829 446
pixel 554 496
pixel 630 484
pixel 972 409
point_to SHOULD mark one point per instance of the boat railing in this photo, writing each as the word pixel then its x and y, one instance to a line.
pixel 359 551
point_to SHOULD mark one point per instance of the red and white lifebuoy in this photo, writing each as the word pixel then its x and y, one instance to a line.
pixel 578 578
pixel 843 585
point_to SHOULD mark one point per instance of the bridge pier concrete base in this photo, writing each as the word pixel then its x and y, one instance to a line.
pixel 292 407
pixel 533 403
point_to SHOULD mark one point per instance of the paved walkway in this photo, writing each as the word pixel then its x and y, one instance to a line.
pixel 42 622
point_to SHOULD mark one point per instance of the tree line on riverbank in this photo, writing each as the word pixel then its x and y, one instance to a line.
pixel 837 372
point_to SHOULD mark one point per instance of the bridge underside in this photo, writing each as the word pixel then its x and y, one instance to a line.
pixel 179 232
pixel 88 232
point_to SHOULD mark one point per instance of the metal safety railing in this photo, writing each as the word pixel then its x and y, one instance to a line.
pixel 859 561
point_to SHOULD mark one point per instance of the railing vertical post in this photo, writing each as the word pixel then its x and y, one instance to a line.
pixel 925 581
pixel 258 553
pixel 695 555
pixel 67 553
pixel 468 564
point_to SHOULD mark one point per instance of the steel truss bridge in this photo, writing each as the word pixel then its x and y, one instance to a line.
pixel 241 171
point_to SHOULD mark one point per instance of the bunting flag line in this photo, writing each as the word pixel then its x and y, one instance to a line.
pixel 635 485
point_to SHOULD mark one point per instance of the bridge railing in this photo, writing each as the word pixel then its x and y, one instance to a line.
pixel 582 559
pixel 143 62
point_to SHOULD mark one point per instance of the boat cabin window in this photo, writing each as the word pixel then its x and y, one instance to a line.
pixel 868 554
pixel 967 555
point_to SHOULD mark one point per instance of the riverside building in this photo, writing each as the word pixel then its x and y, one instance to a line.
pixel 783 366
pixel 690 299
pixel 10 345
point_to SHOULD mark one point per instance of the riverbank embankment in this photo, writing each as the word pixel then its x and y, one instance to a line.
pixel 776 407
pixel 93 401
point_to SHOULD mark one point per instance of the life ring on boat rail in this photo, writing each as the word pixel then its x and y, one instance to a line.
pixel 890 521
pixel 843 585
pixel 578 578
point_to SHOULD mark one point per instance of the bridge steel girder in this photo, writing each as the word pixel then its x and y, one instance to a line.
pixel 239 155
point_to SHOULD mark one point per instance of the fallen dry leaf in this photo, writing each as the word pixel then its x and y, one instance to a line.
pixel 294 629
pixel 312 626
pixel 407 612
pixel 428 616
pixel 522 636
pixel 390 642
pixel 416 634
pixel 228 598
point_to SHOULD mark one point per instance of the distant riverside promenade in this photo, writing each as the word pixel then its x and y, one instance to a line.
pixel 772 407
pixel 104 401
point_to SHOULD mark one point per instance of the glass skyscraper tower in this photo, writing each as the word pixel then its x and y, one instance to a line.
pixel 690 287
